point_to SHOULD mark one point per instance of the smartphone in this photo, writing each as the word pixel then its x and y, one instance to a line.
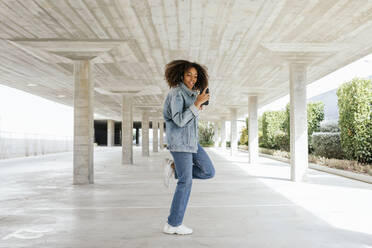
pixel 207 102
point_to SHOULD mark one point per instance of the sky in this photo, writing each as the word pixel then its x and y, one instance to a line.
pixel 21 112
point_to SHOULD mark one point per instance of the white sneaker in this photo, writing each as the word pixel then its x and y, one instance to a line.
pixel 182 230
pixel 168 171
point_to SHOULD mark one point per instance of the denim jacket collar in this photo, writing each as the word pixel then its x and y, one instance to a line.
pixel 187 90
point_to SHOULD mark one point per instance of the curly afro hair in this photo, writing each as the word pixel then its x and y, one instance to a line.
pixel 176 69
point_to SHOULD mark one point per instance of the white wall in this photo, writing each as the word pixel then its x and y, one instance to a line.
pixel 22 145
pixel 31 125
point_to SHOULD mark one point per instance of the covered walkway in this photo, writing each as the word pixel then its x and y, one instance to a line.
pixel 243 206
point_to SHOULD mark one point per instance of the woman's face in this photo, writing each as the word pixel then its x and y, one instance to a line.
pixel 190 77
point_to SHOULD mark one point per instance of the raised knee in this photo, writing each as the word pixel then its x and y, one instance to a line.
pixel 211 174
pixel 186 182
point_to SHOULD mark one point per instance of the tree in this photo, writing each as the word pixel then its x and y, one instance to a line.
pixel 355 114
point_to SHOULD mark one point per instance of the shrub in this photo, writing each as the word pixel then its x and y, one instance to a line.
pixel 282 141
pixel 329 127
pixel 315 114
pixel 272 122
pixel 206 133
pixel 260 139
pixel 244 137
pixel 327 145
pixel 206 144
pixel 355 110
pixel 244 134
pixel 287 121
pixel 259 123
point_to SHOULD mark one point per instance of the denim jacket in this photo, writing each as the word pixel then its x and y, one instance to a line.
pixel 181 118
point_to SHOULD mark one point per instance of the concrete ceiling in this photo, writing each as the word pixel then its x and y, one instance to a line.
pixel 234 39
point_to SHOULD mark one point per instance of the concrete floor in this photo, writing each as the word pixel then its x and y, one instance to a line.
pixel 243 206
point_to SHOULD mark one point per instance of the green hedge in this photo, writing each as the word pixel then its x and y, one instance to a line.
pixel 210 144
pixel 282 141
pixel 244 137
pixel 260 139
pixel 272 122
pixel 327 144
pixel 315 114
pixel 355 110
pixel 275 127
pixel 244 134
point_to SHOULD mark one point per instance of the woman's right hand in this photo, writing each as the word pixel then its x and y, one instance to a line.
pixel 202 98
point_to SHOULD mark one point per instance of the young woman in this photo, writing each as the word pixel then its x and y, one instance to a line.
pixel 181 110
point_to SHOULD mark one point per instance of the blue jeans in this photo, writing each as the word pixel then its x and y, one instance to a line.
pixel 188 166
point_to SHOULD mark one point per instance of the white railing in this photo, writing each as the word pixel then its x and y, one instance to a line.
pixel 27 144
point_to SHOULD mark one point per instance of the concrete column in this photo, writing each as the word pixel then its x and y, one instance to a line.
pixel 161 137
pixel 253 129
pixel 155 136
pixel 298 121
pixel 127 130
pixel 299 56
pixel 83 123
pixel 145 133
pixel 110 132
pixel 81 52
pixel 216 134
pixel 234 131
pixel 223 133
